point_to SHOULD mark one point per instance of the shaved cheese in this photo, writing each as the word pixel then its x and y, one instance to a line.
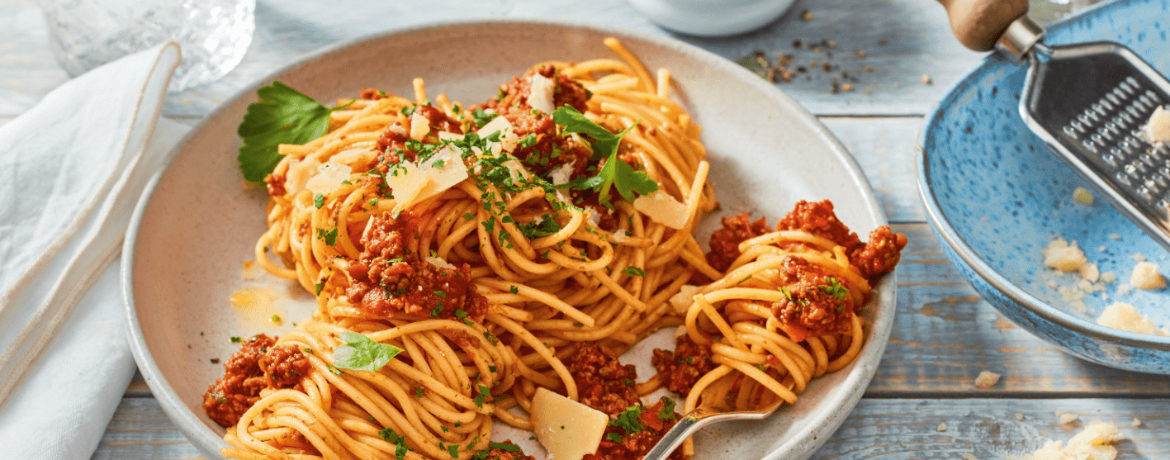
pixel 396 128
pixel 663 208
pixel 562 174
pixel 414 183
pixel 620 236
pixel 359 156
pixel 406 185
pixel 420 126
pixel 448 136
pixel 1158 129
pixel 1061 255
pixel 684 298
pixel 451 173
pixel 567 429
pixel 329 178
pixel 594 217
pixel 439 262
pixel 299 173
pixel 507 138
pixel 540 94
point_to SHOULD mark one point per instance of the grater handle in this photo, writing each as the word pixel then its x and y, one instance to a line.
pixel 978 24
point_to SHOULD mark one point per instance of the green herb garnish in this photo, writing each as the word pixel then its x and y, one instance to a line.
pixel 360 353
pixel 283 116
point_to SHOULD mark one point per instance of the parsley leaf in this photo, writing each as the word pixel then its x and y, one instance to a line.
pixel 666 412
pixel 615 173
pixel 318 200
pixel 629 420
pixel 360 353
pixel 283 116
pixel 480 118
pixel 504 446
pixel 330 237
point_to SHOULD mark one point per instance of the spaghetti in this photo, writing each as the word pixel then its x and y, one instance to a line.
pixel 516 244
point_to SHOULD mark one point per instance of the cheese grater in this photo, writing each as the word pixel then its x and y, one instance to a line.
pixel 1089 102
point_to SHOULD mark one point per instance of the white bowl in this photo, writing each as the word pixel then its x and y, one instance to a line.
pixel 712 18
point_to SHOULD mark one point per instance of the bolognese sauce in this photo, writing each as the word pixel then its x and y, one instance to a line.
pixel 389 280
pixel 680 369
pixel 258 365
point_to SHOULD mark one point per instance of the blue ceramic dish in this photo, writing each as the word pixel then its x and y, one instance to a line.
pixel 996 196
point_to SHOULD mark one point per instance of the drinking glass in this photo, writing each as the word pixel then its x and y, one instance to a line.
pixel 213 34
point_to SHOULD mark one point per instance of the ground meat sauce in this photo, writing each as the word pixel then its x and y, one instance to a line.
pixel 680 369
pixel 547 150
pixel 811 307
pixel 389 281
pixel 633 441
pixel 880 254
pixel 258 365
pixel 725 241
pixel 392 140
pixel 820 220
pixel 605 384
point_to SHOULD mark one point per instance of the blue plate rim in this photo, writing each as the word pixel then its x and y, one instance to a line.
pixel 959 246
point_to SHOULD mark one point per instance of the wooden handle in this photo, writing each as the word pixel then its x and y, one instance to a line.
pixel 979 23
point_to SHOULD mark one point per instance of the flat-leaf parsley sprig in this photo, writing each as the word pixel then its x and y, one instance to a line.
pixel 616 173
pixel 360 353
pixel 283 116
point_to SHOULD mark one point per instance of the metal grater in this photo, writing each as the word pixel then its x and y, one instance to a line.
pixel 1089 103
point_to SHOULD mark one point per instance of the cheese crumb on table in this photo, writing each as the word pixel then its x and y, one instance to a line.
pixel 986 379
pixel 1145 276
pixel 941 427
pixel 1123 316
pixel 1066 418
pixel 1136 423
pixel 1092 443
pixel 1019 416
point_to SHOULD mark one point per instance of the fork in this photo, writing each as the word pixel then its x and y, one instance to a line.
pixel 700 417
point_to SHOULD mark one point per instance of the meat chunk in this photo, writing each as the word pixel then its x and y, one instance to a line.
pixel 389 280
pixel 880 254
pixel 819 219
pixel 257 366
pixel 680 369
pixel 603 383
pixel 636 430
pixel 814 303
pixel 725 241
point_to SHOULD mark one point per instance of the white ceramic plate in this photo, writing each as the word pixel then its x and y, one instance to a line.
pixel 197 222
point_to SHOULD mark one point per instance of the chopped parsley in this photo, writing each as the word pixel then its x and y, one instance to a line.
pixel 628 420
pixel 480 118
pixel 503 446
pixel 667 410
pixel 835 289
pixel 329 237
pixel 453 450
pixel 283 116
pixel 634 271
pixel 318 200
pixel 613 437
pixel 360 353
pixel 235 339
pixel 274 318
pixel 513 289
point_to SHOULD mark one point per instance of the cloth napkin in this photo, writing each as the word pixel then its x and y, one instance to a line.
pixel 71 171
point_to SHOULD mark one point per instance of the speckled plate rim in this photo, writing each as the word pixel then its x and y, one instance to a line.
pixel 971 258
pixel 818 428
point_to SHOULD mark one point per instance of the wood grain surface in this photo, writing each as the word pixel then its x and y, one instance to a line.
pixel 899 59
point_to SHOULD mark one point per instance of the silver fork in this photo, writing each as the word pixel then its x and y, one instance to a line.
pixel 700 417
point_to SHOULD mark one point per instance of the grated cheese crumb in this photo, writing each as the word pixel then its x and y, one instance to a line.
pixel 1145 276
pixel 1114 236
pixel 1094 442
pixel 1125 317
pixel 1138 257
pixel 941 427
pixel 986 379
pixel 1066 418
pixel 1019 416
pixel 1063 256
pixel 1090 272
pixel 1136 423
pixel 970 457
pixel 1158 128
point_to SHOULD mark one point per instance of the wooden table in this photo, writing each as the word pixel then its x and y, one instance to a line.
pixel 945 334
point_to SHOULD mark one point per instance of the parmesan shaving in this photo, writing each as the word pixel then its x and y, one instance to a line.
pixel 684 298
pixel 562 174
pixel 1092 443
pixel 1061 255
pixel 445 169
pixel 663 208
pixel 299 173
pixel 439 262
pixel 540 94
pixel 420 126
pixel 329 178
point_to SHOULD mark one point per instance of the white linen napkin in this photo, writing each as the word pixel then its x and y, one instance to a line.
pixel 71 170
